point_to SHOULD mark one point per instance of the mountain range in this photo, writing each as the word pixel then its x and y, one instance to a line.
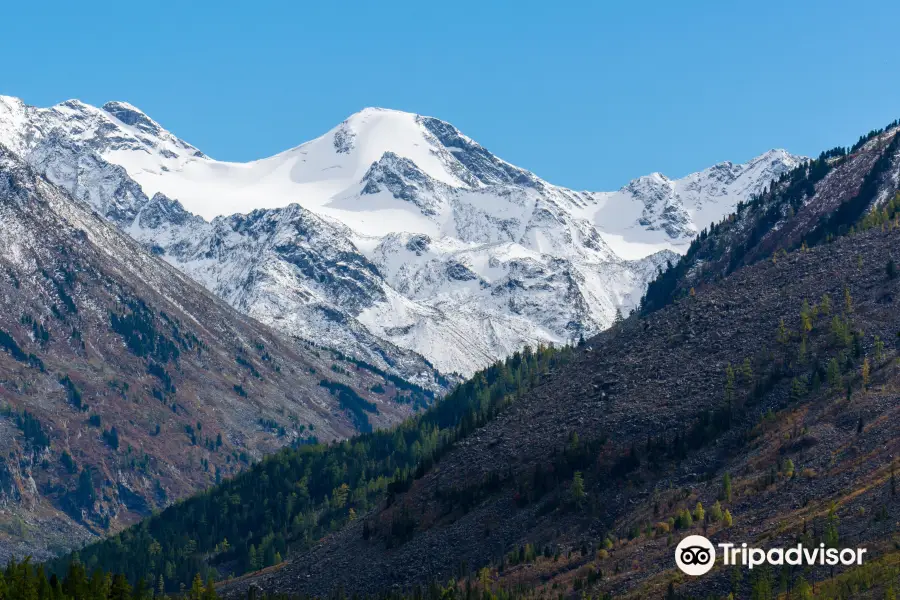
pixel 393 237
pixel 751 399
pixel 171 323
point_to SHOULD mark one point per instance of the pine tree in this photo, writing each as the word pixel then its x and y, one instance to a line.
pixel 715 513
pixel 253 558
pixel 825 304
pixel 879 349
pixel 803 589
pixel 761 589
pixel 865 372
pixel 209 592
pixel 806 323
pixel 788 468
pixel 727 518
pixel 834 374
pixel 783 335
pixel 85 493
pixel 831 536
pixel 578 493
pixel 196 588
pixel 747 372
pixel 729 385
pixel 140 590
pixel 699 513
pixel 120 590
pixel 726 487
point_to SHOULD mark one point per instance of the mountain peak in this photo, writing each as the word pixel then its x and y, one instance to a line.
pixel 369 110
pixel 133 116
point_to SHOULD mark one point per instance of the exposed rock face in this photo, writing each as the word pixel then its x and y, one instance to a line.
pixel 542 263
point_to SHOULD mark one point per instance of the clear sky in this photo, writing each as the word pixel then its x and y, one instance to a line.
pixel 585 94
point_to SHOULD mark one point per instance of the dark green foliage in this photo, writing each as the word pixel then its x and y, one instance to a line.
pixel 111 437
pixel 291 499
pixel 73 394
pixel 268 424
pixel 239 359
pixel 419 396
pixel 11 347
pixel 68 462
pixel 138 329
pixel 66 299
pixel 160 373
pixel 350 400
pixel 95 420
pixel 41 335
pixel 22 581
pixel 30 426
pixel 85 494
pixel 891 269
pixel 865 138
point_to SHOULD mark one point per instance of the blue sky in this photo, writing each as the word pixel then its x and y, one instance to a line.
pixel 585 94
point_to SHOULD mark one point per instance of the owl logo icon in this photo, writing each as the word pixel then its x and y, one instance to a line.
pixel 695 555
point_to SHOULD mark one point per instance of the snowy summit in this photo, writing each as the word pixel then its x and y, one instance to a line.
pixel 391 237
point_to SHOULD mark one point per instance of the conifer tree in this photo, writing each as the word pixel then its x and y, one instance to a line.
pixel 715 513
pixel 865 372
pixel 699 513
pixel 834 374
pixel 879 349
pixel 747 372
pixel 578 493
pixel 825 304
pixel 788 468
pixel 196 592
pixel 806 323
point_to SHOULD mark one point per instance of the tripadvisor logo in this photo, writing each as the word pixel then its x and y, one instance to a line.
pixel 695 555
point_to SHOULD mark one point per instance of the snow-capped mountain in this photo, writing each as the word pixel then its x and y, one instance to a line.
pixel 654 211
pixel 392 236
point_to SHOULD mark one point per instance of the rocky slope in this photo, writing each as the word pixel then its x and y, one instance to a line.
pixel 842 189
pixel 125 385
pixel 648 414
pixel 407 240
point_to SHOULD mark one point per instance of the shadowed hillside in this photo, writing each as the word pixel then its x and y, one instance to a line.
pixel 784 376
pixel 124 385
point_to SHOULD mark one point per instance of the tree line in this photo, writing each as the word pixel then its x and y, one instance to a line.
pixel 293 498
